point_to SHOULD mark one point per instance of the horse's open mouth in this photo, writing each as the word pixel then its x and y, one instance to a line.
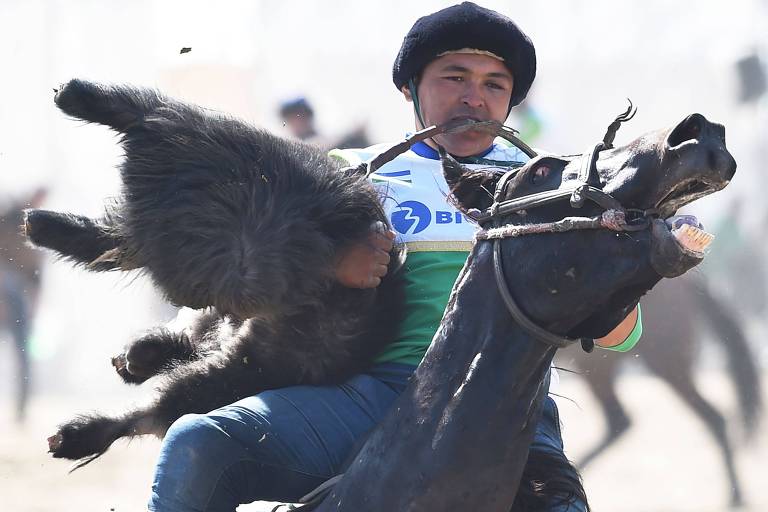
pixel 686 229
pixel 684 193
pixel 689 235
pixel 693 240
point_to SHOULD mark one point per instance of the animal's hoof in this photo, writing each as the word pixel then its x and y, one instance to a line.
pixel 150 355
pixel 84 438
pixel 127 371
pixel 57 91
pixel 54 443
pixel 119 362
pixel 61 444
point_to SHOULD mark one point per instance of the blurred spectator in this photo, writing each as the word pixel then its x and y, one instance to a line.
pixel 20 267
pixel 752 80
pixel 299 118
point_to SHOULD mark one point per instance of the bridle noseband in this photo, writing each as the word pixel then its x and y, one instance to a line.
pixel 614 217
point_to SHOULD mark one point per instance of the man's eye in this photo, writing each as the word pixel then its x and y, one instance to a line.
pixel 455 78
pixel 494 85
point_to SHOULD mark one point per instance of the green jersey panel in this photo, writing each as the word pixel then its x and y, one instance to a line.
pixel 429 280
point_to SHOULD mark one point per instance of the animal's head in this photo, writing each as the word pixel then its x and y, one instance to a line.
pixel 583 282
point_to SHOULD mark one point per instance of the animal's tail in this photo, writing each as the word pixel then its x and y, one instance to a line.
pixel 118 107
pixel 741 360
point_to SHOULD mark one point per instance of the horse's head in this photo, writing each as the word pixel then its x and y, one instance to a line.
pixel 583 282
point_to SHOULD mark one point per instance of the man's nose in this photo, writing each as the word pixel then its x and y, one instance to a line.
pixel 472 95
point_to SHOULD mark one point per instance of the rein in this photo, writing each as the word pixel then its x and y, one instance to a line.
pixel 614 217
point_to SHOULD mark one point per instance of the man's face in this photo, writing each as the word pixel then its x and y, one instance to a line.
pixel 462 86
pixel 300 125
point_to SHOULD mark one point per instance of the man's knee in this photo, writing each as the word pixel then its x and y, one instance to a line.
pixel 194 455
pixel 194 439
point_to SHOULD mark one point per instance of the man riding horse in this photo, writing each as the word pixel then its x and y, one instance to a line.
pixel 463 62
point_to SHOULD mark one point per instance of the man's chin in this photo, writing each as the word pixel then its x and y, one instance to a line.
pixel 464 144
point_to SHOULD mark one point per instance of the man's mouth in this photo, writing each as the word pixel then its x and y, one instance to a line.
pixel 468 118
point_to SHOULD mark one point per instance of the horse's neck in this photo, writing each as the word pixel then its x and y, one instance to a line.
pixel 458 437
pixel 477 337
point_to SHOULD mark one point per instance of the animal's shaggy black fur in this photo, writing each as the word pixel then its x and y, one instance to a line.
pixel 230 218
pixel 246 225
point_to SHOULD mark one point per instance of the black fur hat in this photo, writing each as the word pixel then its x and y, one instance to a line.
pixel 467 25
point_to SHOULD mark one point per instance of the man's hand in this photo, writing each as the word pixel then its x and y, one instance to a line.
pixel 363 264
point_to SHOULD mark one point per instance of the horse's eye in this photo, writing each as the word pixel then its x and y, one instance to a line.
pixel 540 174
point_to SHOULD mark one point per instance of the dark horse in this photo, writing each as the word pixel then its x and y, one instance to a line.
pixel 674 316
pixel 225 216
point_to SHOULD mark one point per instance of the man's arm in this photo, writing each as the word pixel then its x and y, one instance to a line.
pixel 625 335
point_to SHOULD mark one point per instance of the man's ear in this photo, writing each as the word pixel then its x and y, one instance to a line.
pixel 471 189
pixel 407 93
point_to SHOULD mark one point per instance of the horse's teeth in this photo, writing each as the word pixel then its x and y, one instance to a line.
pixel 692 238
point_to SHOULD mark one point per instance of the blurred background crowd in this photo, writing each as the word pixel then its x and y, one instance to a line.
pixel 320 71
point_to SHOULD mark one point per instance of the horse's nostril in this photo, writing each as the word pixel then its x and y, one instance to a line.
pixel 690 129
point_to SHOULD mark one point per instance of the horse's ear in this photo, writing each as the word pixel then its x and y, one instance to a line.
pixel 471 189
pixel 452 169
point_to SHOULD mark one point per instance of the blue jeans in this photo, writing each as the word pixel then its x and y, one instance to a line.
pixel 279 445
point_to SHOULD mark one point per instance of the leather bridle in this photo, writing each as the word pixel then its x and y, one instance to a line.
pixel 614 217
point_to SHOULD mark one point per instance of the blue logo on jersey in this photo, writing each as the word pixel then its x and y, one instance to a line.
pixel 414 217
pixel 412 214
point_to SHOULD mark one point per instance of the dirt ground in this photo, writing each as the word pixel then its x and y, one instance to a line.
pixel 666 462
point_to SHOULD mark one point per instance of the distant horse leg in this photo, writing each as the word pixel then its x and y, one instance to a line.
pixel 602 381
pixel 18 324
pixel 683 385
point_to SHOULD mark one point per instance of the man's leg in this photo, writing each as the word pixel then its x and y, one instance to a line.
pixel 275 446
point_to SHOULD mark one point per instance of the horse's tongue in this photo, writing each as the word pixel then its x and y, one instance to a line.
pixel 689 233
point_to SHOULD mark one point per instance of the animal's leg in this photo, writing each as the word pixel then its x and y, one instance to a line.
pixel 196 387
pixel 683 385
pixel 118 107
pixel 77 238
pixel 148 355
pixel 742 366
pixel 601 379
pixel 86 437
pixel 194 334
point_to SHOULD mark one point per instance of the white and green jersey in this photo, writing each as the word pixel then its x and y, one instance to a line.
pixel 437 235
